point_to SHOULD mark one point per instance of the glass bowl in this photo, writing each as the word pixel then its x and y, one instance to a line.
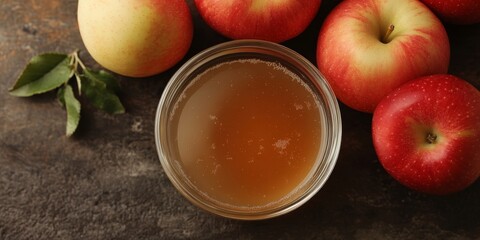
pixel 166 126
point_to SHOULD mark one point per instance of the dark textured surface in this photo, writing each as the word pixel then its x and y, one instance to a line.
pixel 107 182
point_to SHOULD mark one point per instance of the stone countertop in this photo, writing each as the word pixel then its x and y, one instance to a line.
pixel 106 182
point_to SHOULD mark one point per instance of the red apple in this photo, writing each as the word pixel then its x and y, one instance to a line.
pixel 367 48
pixel 456 11
pixel 427 134
pixel 270 20
pixel 136 38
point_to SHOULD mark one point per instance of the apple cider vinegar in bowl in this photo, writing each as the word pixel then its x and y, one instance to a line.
pixel 248 130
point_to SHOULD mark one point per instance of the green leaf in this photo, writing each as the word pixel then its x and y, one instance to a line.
pixel 98 88
pixel 43 73
pixel 105 77
pixel 67 98
pixel 60 96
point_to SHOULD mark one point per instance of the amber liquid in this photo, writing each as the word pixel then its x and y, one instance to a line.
pixel 248 132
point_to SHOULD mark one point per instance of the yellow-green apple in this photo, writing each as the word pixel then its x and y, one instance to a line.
pixel 456 11
pixel 367 48
pixel 271 20
pixel 427 134
pixel 136 38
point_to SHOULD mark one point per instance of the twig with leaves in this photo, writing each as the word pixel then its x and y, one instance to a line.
pixel 51 71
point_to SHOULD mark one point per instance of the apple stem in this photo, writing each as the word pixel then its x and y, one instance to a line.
pixel 431 138
pixel 387 34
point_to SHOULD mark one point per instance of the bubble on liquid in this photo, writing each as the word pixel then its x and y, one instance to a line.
pixel 298 106
pixel 308 104
pixel 176 105
pixel 260 149
pixel 281 145
pixel 215 168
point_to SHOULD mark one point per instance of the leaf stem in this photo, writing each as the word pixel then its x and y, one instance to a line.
pixel 77 59
pixel 74 62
